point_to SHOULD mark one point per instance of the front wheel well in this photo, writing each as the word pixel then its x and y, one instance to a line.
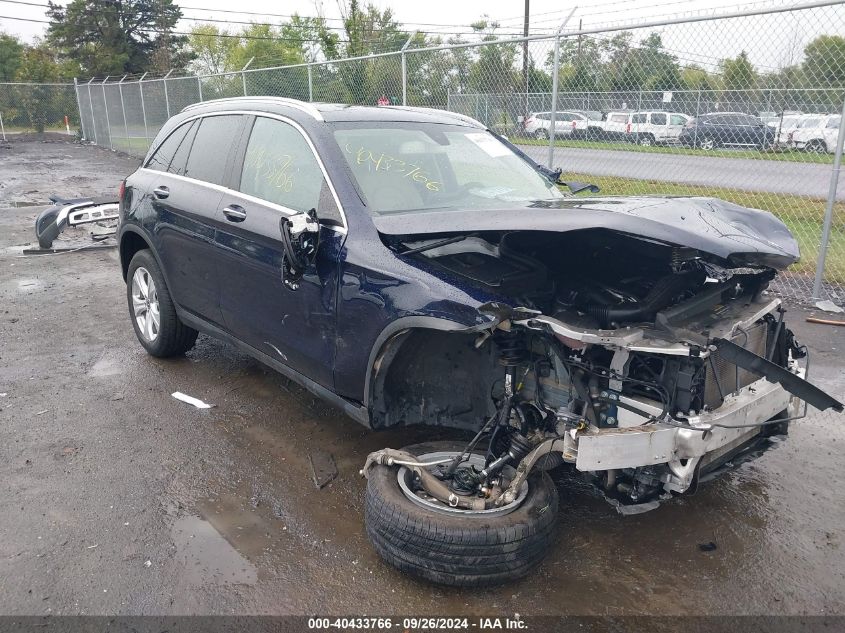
pixel 130 244
pixel 433 377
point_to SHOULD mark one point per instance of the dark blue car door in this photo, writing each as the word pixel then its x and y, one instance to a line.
pixel 279 174
pixel 183 187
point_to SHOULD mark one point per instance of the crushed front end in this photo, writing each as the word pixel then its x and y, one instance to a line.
pixel 643 364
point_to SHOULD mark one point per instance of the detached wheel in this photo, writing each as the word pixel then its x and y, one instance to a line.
pixel 450 546
pixel 152 312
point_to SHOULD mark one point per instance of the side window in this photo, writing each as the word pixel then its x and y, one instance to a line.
pixel 677 119
pixel 215 138
pixel 619 118
pixel 833 122
pixel 280 167
pixel 658 118
pixel 640 117
pixel 180 159
pixel 163 156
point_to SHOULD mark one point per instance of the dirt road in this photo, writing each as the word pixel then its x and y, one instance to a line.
pixel 116 498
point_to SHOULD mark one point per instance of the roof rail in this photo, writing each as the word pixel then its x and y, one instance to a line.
pixel 303 106
pixel 454 115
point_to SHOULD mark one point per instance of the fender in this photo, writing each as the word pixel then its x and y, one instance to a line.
pixel 140 232
pixel 396 329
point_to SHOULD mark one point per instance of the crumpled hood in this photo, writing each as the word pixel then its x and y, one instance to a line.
pixel 726 230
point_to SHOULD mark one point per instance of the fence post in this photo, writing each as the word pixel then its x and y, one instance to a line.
pixel 166 98
pixel 91 105
pixel 143 107
pixel 2 129
pixel 405 69
pixel 828 212
pixel 106 108
pixel 243 74
pixel 554 90
pixel 199 87
pixel 310 85
pixel 78 107
pixel 123 109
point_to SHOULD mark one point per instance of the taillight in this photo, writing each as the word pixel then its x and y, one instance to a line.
pixel 573 125
pixel 121 190
pixel 628 129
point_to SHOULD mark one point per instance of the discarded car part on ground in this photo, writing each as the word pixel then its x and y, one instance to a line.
pixel 323 468
pixel 438 276
pixel 63 213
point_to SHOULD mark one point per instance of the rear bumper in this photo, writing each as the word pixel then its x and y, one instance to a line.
pixel 684 448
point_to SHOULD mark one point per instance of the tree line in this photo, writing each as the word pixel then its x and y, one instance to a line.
pixel 98 38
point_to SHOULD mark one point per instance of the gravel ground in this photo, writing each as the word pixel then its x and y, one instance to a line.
pixel 118 499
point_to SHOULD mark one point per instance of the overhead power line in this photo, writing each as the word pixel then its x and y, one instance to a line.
pixel 279 15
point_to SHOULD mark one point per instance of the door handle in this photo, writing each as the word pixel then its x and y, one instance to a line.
pixel 234 213
pixel 161 192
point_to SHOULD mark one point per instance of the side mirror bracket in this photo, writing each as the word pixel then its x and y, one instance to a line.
pixel 300 239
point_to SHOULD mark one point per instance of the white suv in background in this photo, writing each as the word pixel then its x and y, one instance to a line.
pixel 645 128
pixel 655 128
pixel 817 134
pixel 567 123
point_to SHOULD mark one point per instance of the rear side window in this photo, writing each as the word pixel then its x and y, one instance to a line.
pixel 215 139
pixel 677 119
pixel 638 118
pixel 833 123
pixel 658 118
pixel 280 167
pixel 162 159
pixel 619 118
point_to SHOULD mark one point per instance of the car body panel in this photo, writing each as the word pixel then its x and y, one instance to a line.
pixel 706 224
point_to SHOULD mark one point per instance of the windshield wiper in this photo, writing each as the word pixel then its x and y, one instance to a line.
pixel 431 245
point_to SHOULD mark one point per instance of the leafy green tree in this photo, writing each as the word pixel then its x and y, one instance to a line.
pixel 824 60
pixel 113 37
pixel 44 104
pixel 738 73
pixel 213 50
pixel 11 56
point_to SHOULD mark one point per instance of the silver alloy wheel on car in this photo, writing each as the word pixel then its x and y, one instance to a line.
pixel 707 143
pixel 145 304
pixel 541 134
pixel 645 141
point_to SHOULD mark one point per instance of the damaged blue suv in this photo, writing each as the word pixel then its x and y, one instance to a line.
pixel 412 267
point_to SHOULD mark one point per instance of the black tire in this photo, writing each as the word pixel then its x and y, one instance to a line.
pixel 465 551
pixel 174 337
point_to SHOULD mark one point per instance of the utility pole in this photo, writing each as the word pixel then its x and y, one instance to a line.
pixel 525 56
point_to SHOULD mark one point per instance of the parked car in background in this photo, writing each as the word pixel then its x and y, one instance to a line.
pixel 615 124
pixel 717 129
pixel 817 134
pixel 785 126
pixel 655 128
pixel 567 123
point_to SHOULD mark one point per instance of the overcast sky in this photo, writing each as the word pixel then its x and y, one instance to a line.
pixel 771 41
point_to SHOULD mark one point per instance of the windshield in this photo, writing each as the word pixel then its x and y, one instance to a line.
pixel 415 167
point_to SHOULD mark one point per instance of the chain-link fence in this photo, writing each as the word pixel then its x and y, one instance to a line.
pixel 744 106
pixel 38 108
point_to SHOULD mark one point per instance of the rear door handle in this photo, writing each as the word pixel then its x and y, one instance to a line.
pixel 234 213
pixel 161 192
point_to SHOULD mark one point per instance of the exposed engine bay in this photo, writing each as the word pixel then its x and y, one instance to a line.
pixel 644 364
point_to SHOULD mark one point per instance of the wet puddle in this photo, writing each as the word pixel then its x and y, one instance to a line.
pixel 208 558
pixel 106 366
pixel 28 285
